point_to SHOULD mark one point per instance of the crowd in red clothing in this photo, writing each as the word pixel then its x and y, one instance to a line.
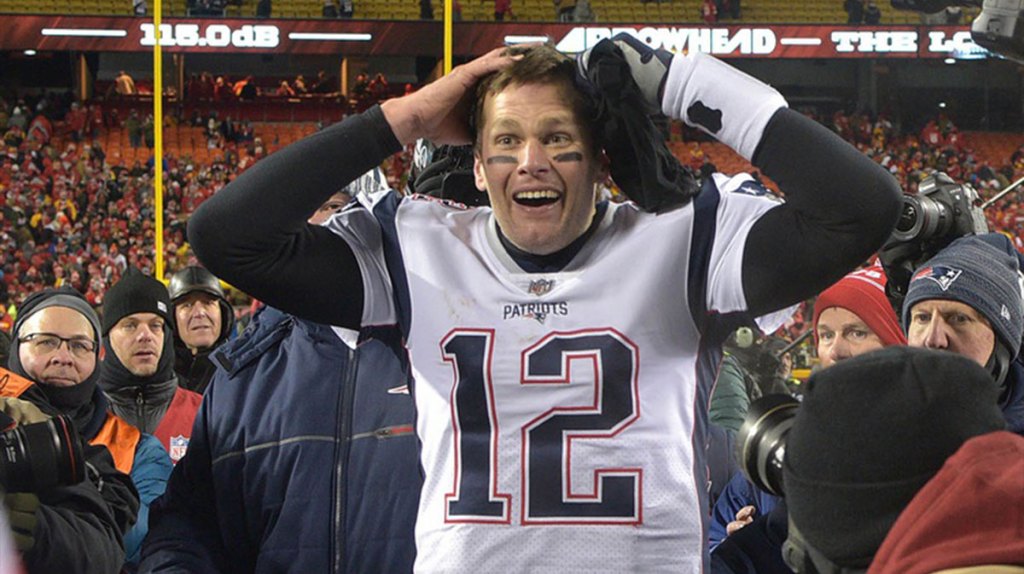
pixel 68 217
pixel 939 146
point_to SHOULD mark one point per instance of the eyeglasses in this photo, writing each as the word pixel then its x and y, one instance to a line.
pixel 42 344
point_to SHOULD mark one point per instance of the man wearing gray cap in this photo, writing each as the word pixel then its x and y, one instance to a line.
pixel 967 299
pixel 53 365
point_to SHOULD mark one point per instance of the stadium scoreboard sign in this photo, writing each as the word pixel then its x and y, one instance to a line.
pixel 213 35
pixel 415 37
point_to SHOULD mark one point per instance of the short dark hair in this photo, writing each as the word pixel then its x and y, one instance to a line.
pixel 541 64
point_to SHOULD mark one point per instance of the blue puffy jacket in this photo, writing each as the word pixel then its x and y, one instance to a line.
pixel 302 459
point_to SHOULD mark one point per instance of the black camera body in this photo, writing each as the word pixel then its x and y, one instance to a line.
pixel 38 456
pixel 999 27
pixel 941 211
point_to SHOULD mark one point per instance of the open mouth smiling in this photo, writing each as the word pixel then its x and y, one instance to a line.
pixel 537 198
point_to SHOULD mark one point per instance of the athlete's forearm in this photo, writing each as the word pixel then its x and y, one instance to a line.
pixel 840 207
pixel 254 235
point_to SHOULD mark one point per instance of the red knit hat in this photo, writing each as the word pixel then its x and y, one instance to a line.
pixel 863 294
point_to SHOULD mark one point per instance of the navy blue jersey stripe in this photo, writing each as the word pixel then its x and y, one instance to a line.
pixel 705 223
pixel 386 213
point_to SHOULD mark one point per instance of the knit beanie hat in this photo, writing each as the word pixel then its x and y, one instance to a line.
pixel 863 294
pixel 134 293
pixel 871 431
pixel 980 271
pixel 55 297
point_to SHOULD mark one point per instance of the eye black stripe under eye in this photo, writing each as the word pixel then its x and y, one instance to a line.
pixel 569 156
pixel 500 159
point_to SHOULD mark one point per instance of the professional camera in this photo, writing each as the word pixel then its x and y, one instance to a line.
pixel 940 212
pixel 998 28
pixel 941 209
pixel 38 456
pixel 761 442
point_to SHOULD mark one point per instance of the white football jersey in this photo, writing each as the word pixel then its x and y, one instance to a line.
pixel 562 415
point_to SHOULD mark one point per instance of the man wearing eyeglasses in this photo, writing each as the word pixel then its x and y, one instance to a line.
pixel 53 360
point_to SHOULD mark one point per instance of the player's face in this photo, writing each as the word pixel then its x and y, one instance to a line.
pixel 537 167
pixel 842 334
pixel 953 326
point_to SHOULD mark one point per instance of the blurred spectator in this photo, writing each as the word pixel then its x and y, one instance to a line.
pixel 133 126
pixel 378 87
pixel 345 8
pixel 124 85
pixel 872 14
pixel 75 121
pixel 583 12
pixel 245 89
pixel 284 90
pixel 263 9
pixel 360 93
pixel 426 10
pixel 139 7
pixel 709 11
pixel 855 11
pixel 299 85
pixel 564 9
pixel 330 9
pixel 40 130
pixel 501 8
pixel 324 84
pixel 149 131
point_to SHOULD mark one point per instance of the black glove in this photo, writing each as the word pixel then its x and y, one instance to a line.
pixel 22 507
pixel 648 67
pixel 626 79
pixel 449 175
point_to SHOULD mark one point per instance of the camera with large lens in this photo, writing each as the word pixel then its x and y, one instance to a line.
pixel 761 442
pixel 38 456
pixel 941 209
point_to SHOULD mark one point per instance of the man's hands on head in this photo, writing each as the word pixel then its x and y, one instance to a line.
pixel 440 110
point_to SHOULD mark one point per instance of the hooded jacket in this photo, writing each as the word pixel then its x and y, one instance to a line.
pixel 303 459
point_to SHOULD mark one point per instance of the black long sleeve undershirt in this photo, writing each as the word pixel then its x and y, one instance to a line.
pixel 253 233
pixel 840 207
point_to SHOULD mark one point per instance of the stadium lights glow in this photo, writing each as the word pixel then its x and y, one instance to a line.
pixel 950 60
pixel 84 32
pixel 942 104
pixel 525 39
pixel 30 52
pixel 330 37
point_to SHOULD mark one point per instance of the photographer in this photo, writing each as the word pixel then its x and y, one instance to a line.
pixel 967 300
pixel 851 318
pixel 55 356
pixel 63 527
pixel 870 433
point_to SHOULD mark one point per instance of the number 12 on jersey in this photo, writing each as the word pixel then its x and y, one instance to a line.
pixel 613 496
